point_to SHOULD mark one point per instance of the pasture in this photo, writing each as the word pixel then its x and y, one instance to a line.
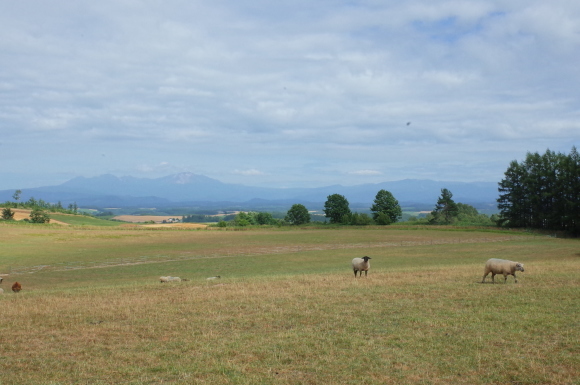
pixel 287 309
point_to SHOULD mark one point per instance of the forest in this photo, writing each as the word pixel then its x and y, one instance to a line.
pixel 542 192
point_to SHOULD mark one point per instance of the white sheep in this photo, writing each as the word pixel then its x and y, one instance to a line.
pixel 501 266
pixel 169 279
pixel 1 291
pixel 360 265
pixel 211 278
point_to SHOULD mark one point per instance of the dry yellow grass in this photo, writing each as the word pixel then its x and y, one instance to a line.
pixel 176 225
pixel 392 328
pixel 288 310
pixel 20 214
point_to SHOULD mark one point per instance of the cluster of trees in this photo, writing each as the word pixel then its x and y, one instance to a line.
pixel 448 212
pixel 39 208
pixel 542 192
pixel 385 210
pixel 254 218
pixel 202 218
pixel 37 215
pixel 32 203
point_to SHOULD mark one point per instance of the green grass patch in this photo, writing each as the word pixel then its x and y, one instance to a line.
pixel 83 220
pixel 288 309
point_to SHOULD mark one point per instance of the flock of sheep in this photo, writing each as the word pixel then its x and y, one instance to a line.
pixel 494 266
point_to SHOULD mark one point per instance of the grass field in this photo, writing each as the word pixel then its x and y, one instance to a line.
pixel 287 309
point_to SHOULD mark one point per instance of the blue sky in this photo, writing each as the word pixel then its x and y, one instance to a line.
pixel 284 93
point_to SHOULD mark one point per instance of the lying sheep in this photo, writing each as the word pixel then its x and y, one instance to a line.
pixel 16 287
pixel 216 277
pixel 501 266
pixel 169 279
pixel 360 265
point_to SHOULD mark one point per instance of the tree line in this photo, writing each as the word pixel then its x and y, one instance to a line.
pixel 39 208
pixel 542 192
pixel 386 210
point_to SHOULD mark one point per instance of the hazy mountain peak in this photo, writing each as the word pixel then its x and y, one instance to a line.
pixel 186 178
pixel 190 187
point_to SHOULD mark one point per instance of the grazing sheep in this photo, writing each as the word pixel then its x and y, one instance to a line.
pixel 216 277
pixel 169 279
pixel 360 265
pixel 501 266
pixel 16 287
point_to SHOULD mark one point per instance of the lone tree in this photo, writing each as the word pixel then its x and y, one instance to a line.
pixel 298 215
pixel 445 210
pixel 39 216
pixel 386 209
pixel 336 208
pixel 7 214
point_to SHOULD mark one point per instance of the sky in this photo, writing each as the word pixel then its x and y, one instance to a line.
pixel 285 93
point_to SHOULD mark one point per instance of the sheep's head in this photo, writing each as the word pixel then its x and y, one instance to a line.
pixel 366 258
pixel 519 266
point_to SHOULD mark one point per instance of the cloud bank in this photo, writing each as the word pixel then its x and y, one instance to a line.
pixel 286 93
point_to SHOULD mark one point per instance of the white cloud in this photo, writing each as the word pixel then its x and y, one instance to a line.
pixel 210 86
pixel 365 172
pixel 249 172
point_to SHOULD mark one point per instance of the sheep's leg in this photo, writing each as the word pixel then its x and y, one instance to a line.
pixel 515 277
pixel 485 275
pixel 492 277
pixel 366 271
pixel 355 273
pixel 505 278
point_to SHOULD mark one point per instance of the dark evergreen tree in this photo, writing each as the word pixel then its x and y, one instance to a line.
pixel 445 209
pixel 513 200
pixel 542 192
pixel 570 190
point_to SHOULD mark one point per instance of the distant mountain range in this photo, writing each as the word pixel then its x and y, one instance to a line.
pixel 186 189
